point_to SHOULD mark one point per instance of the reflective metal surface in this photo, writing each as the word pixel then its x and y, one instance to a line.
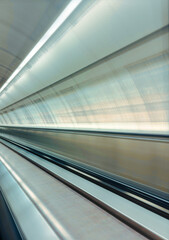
pixel 8 228
pixel 143 160
pixel 105 70
pixel 70 215
pixel 150 224
pixel 30 222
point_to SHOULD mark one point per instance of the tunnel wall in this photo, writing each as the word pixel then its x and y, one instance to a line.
pixel 125 91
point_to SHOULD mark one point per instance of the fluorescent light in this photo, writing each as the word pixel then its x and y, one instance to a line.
pixel 62 17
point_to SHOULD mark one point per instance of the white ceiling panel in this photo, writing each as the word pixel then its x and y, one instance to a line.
pixel 22 24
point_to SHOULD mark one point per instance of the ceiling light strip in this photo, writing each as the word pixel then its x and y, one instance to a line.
pixel 59 21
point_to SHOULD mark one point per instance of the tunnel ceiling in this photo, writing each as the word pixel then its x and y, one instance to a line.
pixel 22 24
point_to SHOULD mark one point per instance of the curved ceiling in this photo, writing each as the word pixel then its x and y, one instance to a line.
pixel 22 24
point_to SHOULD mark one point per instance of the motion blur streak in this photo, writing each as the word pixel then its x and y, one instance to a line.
pixel 127 91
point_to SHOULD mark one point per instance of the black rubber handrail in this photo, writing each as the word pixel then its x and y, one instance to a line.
pixel 153 136
pixel 139 195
